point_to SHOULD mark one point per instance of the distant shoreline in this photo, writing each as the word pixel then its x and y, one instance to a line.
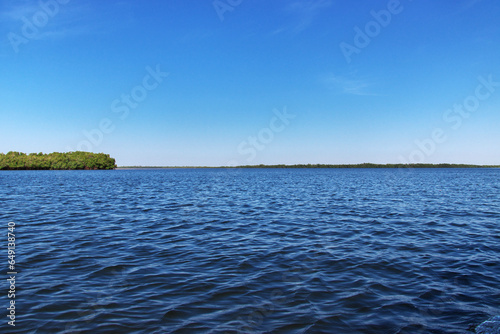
pixel 364 165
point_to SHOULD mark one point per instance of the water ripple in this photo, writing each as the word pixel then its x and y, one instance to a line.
pixel 255 251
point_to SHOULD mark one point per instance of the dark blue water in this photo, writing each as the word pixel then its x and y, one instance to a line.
pixel 254 251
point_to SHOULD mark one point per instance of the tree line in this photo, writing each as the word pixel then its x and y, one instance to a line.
pixel 371 165
pixel 56 161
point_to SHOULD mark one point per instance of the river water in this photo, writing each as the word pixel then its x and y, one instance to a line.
pixel 254 250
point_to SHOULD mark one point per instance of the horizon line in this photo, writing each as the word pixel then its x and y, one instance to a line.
pixel 354 165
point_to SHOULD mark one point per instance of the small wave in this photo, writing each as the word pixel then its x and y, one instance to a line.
pixel 490 326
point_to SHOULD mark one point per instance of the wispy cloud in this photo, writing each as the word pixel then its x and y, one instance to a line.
pixel 14 11
pixel 304 13
pixel 348 86
pixel 465 5
pixel 470 3
pixel 61 20
pixel 68 20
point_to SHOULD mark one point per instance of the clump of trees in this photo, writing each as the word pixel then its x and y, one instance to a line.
pixel 56 160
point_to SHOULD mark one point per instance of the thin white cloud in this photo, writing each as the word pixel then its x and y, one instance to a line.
pixel 62 33
pixel 15 12
pixel 465 6
pixel 68 20
pixel 470 3
pixel 303 13
pixel 348 86
pixel 60 18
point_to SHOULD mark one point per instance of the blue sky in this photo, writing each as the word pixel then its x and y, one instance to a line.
pixel 177 83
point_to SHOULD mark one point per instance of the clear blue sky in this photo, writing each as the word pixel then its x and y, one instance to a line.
pixel 351 81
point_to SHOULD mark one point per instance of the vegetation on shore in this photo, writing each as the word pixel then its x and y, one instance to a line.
pixel 56 161
pixel 371 165
pixel 364 165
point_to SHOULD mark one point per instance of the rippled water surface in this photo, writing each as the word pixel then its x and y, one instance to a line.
pixel 254 250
